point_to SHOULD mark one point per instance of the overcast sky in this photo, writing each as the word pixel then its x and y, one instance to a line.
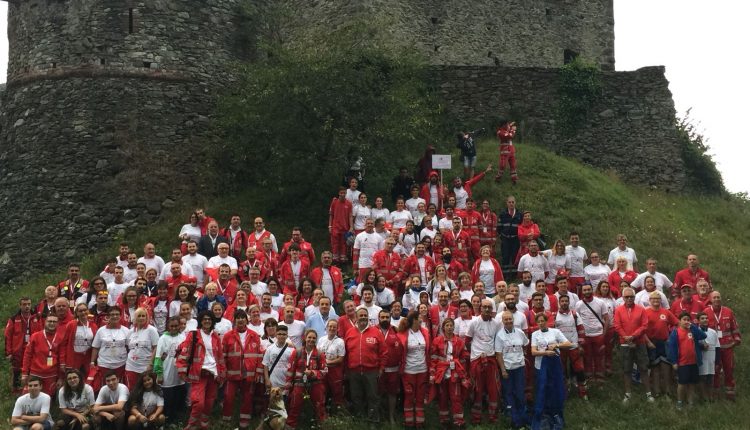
pixel 699 42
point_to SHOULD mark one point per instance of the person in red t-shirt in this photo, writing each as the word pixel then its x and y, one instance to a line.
pixel 660 323
pixel 505 134
pixel 686 303
pixel 689 275
pixel 684 350
pixel 339 222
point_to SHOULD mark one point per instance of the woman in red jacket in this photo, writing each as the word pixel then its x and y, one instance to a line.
pixel 488 232
pixel 527 231
pixel 79 334
pixel 414 370
pixel 448 374
pixel 487 270
pixel 306 374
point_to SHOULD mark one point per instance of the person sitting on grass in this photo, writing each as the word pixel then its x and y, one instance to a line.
pixel 31 411
pixel 75 399
pixel 109 408
pixel 146 404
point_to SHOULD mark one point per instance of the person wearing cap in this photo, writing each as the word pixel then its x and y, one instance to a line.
pixel 505 134
pixel 433 191
pixel 686 303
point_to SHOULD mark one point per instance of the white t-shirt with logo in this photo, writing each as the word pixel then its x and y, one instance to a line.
pixel 166 349
pixel 278 376
pixel 109 397
pixel 112 344
pixel 511 345
pixel 541 340
pixel 416 346
pixel 198 263
pixel 25 405
pixel 141 342
pixel 367 244
pixel 483 337
pixel 77 402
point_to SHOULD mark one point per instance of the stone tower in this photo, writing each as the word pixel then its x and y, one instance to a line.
pixel 104 119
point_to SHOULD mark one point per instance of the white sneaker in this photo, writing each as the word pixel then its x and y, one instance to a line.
pixel 626 400
pixel 650 398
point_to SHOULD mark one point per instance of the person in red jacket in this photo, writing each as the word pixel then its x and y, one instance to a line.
pixel 441 311
pixel 528 231
pixel 305 249
pixel 472 222
pixel 488 231
pixel 448 374
pixel 487 270
pixel 79 334
pixel 269 260
pixel 505 134
pixel 329 277
pixel 74 286
pixel 200 361
pixel 419 264
pixel 721 319
pixel 253 259
pixel 459 242
pixel 631 323
pixel 339 222
pixel 203 221
pixel 18 332
pixel 241 350
pixel 462 190
pixel 43 356
pixel 306 374
pixel 433 191
pixel 366 357
pixel 293 270
pixel 620 274
pixel 386 262
pixel 414 368
pixel 686 303
pixel 660 323
pixel 690 275
pixel 389 382
pixel 236 236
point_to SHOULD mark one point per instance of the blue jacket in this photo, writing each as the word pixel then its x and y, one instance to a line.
pixel 673 347
pixel 202 304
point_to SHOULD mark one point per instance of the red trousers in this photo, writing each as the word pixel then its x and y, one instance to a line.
pixel 202 398
pixel 334 383
pixel 317 393
pixel 451 402
pixel 49 385
pixel 609 344
pixel 485 374
pixel 508 158
pixel 131 379
pixel 246 388
pixel 594 352
pixel 572 362
pixel 82 362
pixel 725 362
pixel 338 244
pixel 415 391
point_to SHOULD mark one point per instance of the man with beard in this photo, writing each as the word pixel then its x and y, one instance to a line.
pixel 452 266
pixel 433 191
pixel 526 288
pixel 329 278
pixel 367 356
pixel 74 286
pixel 459 242
pixel 534 262
pixel 568 322
pixel 387 263
pixel 236 236
pixel 595 320
pixel 418 264
pixel 390 381
pixel 484 367
pixel 508 221
pixel 197 262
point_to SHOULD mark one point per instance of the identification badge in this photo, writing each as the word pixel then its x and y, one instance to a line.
pixel 26 338
pixel 718 334
pixel 460 245
pixel 484 229
pixel 50 361
pixel 453 365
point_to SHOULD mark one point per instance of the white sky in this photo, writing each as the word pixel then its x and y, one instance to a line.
pixel 699 42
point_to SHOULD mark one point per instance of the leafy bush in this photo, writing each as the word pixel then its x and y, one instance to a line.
pixel 297 117
pixel 579 87
pixel 703 177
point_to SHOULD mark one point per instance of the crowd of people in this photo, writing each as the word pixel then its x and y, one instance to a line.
pixel 428 317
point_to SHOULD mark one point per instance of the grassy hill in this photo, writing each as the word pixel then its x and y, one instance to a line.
pixel 562 195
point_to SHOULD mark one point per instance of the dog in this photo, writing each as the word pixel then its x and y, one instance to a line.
pixel 276 416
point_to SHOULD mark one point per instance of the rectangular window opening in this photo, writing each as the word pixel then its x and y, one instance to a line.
pixel 102 61
pixel 147 64
pixel 54 65
pixel 130 20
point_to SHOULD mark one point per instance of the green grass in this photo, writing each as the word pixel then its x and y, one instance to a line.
pixel 563 195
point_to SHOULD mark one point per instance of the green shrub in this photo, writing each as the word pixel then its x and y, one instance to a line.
pixel 703 177
pixel 579 87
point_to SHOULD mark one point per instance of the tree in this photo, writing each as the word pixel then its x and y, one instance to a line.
pixel 293 118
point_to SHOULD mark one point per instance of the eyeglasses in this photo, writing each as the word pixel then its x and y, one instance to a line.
pixel 628 297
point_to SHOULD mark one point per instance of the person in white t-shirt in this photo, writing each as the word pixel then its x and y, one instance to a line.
pixel 352 193
pixel 534 262
pixel 276 360
pixel 117 286
pixel 31 411
pixel 594 317
pixel 142 342
pixel 196 261
pixel 295 328
pixel 577 258
pixel 150 259
pixel 75 399
pixel 223 258
pixel 550 391
pixel 596 271
pixel 360 213
pixel 334 349
pixel 707 370
pixel 509 351
pixel 622 250
pixel 172 385
pixel 109 407
pixel 661 280
pixel 414 201
pixel 399 216
pixel 147 403
pixel 365 245
pixel 109 348
pixel 481 336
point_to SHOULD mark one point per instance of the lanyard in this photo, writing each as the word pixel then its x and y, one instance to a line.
pixel 718 317
pixel 50 344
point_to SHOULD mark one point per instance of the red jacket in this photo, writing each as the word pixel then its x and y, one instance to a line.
pixel 439 363
pixel 531 320
pixel 365 350
pixel 238 247
pixel 340 214
pixel 306 252
pixel 631 322
pixel 16 330
pixel 38 351
pixel 228 289
pixel 468 184
pixel 404 338
pixel 725 323
pixel 505 135
pixel 455 268
pixel 69 339
pixel 411 266
pixel 394 349
pixel 286 276
pixel 614 280
pixel 270 262
pixel 435 317
pixel 489 225
pixel 242 361
pixel 64 289
pixel 388 265
pixel 459 245
pixel 204 224
pixel 198 354
pixel 344 325
pixel 685 276
pixel 252 242
pixel 173 283
pixel 495 264
pixel 472 221
pixel 298 365
pixel 245 266
pixel 336 277
pixel 678 307
pixel 424 193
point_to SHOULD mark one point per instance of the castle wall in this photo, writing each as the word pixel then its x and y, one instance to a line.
pixel 519 33
pixel 104 121
pixel 630 131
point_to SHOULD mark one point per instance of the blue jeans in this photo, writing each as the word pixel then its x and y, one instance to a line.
pixel 514 396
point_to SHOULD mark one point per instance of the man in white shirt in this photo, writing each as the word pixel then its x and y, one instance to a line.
pixel 150 259
pixel 266 311
pixel 561 282
pixel 577 257
pixel 482 332
pixel 509 352
pixel 534 262
pixel 446 223
pixel 31 410
pixel 365 245
pixel 196 262
pixel 414 201
pixel 527 287
pixel 276 359
pixel 110 403
pixel 130 272
pixel 662 281
pixel 352 193
pixel 368 303
pixel 223 258
pixel 511 305
pixel 295 328
pixel 117 286
pixel 185 269
pixel 623 250
pixel 594 317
